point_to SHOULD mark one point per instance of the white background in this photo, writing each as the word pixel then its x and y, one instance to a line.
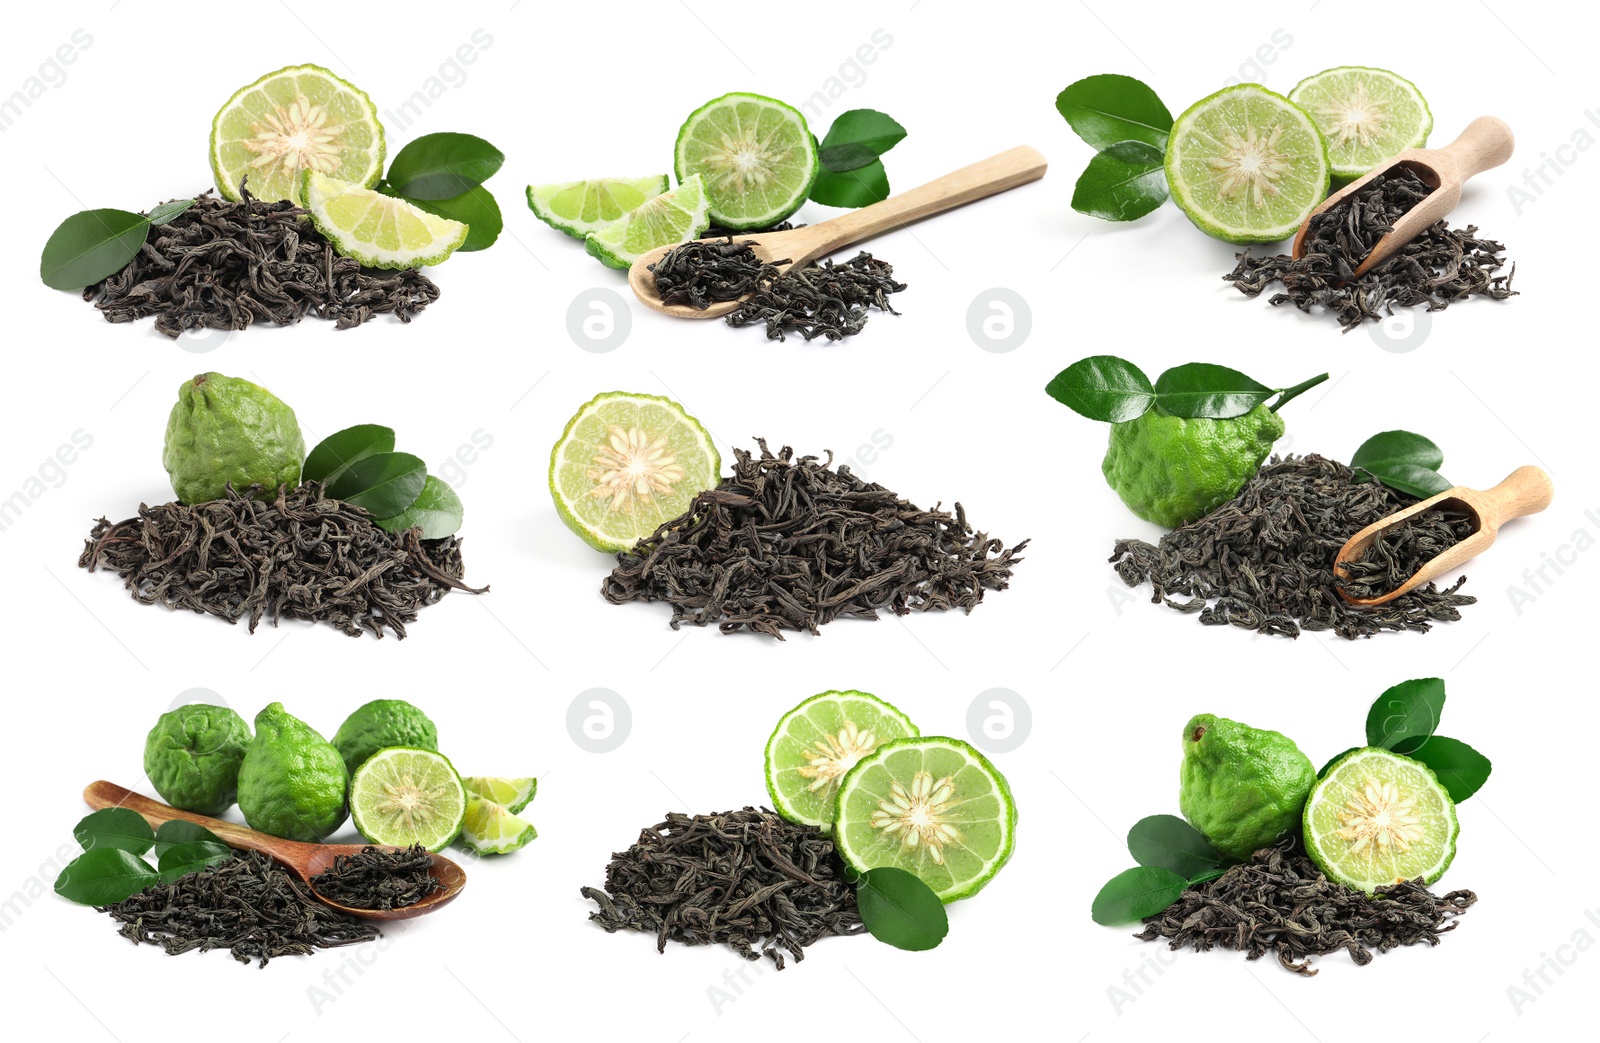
pixel 570 92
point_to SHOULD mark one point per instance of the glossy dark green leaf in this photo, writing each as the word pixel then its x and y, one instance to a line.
pixel 1462 769
pixel 1207 875
pixel 858 137
pixel 115 828
pixel 475 208
pixel 1203 389
pixel 334 454
pixel 1134 894
pixel 384 484
pixel 103 876
pixel 90 245
pixel 1122 183
pixel 862 186
pixel 183 859
pixel 900 910
pixel 1402 460
pixel 1402 718
pixel 171 834
pixel 1168 842
pixel 442 166
pixel 437 511
pixel 1411 479
pixel 1108 108
pixel 162 214
pixel 1103 387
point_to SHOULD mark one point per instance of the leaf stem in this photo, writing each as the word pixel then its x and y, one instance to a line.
pixel 1287 395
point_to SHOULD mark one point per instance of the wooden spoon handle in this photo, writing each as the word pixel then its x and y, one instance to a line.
pixel 1486 143
pixel 987 177
pixel 102 794
pixel 1527 490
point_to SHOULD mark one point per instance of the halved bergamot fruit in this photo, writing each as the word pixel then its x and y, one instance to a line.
pixel 756 154
pixel 581 207
pixel 1247 165
pixel 625 464
pixel 406 795
pixel 379 231
pixel 1376 817
pixel 1368 116
pixel 932 806
pixel 817 743
pixel 296 119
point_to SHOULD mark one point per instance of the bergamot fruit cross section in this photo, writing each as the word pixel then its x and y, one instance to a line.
pixel 1377 817
pixel 817 743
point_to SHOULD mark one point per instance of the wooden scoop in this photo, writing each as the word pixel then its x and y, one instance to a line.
pixel 1527 490
pixel 1486 143
pixel 801 246
pixel 304 860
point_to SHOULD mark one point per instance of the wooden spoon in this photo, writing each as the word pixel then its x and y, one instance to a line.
pixel 1527 490
pixel 304 860
pixel 1486 143
pixel 996 174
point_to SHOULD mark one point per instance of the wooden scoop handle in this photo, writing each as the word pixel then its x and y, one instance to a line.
pixel 1527 490
pixel 102 794
pixel 1486 143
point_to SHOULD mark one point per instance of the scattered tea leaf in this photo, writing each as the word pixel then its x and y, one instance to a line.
pixel 860 187
pixel 858 137
pixel 1402 718
pixel 384 484
pixel 900 910
pixel 1122 182
pixel 442 166
pixel 333 455
pixel 1462 769
pixel 90 245
pixel 171 834
pixel 1203 389
pixel 118 828
pixel 1402 460
pixel 164 212
pixel 183 859
pixel 476 208
pixel 104 875
pixel 1134 894
pixel 1168 842
pixel 1108 109
pixel 1103 387
pixel 437 511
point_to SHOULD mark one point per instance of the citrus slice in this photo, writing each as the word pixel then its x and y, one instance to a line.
pixel 625 464
pixel 379 231
pixel 664 220
pixel 817 743
pixel 491 829
pixel 1376 817
pixel 513 794
pixel 580 207
pixel 1247 165
pixel 1368 116
pixel 756 154
pixel 290 121
pixel 934 807
pixel 406 795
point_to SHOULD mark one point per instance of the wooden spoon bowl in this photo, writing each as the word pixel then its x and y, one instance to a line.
pixel 303 860
pixel 801 246
pixel 1486 143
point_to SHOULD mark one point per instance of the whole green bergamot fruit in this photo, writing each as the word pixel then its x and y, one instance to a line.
pixel 292 783
pixel 226 430
pixel 380 724
pixel 192 757
pixel 1171 470
pixel 1243 788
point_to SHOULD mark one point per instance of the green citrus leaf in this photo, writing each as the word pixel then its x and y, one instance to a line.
pixel 333 455
pixel 1108 108
pixel 858 137
pixel 1123 182
pixel 901 910
pixel 1207 875
pixel 1402 718
pixel 1103 387
pixel 1134 894
pixel 115 828
pixel 1462 769
pixel 1402 460
pixel 104 876
pixel 383 485
pixel 437 511
pixel 90 245
pixel 164 213
pixel 476 208
pixel 1168 842
pixel 171 834
pixel 854 188
pixel 183 859
pixel 1203 389
pixel 442 166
